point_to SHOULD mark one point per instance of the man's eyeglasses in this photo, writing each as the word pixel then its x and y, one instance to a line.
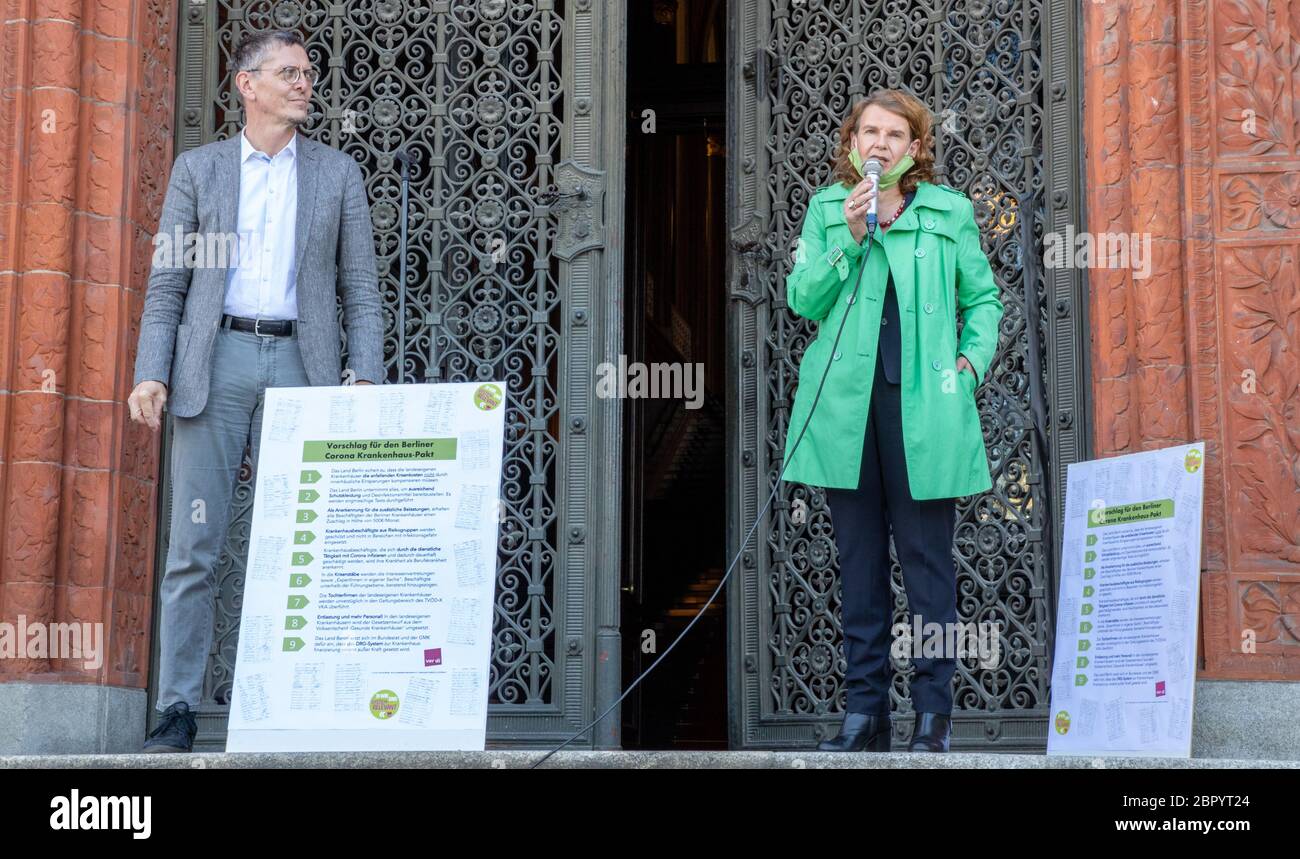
pixel 290 74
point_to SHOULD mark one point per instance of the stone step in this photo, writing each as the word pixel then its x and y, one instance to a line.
pixel 514 759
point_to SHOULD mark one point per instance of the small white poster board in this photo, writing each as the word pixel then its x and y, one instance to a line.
pixel 1124 672
pixel 368 601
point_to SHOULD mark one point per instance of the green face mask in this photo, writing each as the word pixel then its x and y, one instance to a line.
pixel 890 177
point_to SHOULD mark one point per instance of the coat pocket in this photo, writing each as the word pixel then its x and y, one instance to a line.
pixel 184 333
pixel 813 360
pixel 973 424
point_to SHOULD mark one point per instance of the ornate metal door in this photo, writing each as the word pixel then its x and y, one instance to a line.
pixel 503 104
pixel 1002 80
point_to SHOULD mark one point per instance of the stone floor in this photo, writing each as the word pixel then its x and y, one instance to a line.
pixel 625 760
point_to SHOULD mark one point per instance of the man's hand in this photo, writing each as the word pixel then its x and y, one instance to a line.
pixel 963 363
pixel 146 403
pixel 855 207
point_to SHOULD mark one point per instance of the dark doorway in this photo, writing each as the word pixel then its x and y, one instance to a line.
pixel 674 493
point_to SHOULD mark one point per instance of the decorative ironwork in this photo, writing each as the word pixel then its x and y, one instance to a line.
pixel 799 68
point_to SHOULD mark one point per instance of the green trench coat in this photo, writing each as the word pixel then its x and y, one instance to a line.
pixel 939 270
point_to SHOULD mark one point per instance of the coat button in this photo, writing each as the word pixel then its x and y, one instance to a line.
pixel 934 364
pixel 884 321
pixel 849 300
pixel 929 224
pixel 920 252
pixel 929 308
pixel 839 354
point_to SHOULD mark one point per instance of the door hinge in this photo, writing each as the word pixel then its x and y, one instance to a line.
pixel 751 261
pixel 759 70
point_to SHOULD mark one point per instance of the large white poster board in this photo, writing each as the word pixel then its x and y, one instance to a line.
pixel 368 602
pixel 1123 679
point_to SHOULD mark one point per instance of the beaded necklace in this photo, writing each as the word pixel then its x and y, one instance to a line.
pixel 884 225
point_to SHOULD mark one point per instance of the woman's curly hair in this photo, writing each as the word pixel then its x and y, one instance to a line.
pixel 919 120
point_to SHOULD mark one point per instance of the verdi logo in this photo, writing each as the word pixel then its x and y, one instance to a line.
pixel 1062 723
pixel 383 705
pixel 487 397
pixel 1192 462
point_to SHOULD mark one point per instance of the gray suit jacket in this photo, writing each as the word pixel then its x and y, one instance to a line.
pixel 334 250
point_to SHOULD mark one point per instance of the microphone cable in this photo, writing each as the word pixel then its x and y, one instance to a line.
pixel 830 356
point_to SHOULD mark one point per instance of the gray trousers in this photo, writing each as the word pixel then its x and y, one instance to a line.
pixel 207 451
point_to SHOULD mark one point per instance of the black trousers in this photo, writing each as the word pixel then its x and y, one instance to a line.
pixel 923 532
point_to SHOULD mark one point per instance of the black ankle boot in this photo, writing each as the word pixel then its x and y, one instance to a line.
pixel 931 733
pixel 175 732
pixel 860 732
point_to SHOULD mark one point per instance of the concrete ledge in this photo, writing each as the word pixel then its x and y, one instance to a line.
pixel 1240 719
pixel 70 718
pixel 620 760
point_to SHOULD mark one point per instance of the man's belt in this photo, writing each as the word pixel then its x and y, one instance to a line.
pixel 262 327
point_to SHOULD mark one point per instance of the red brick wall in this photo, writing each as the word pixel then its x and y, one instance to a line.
pixel 86 103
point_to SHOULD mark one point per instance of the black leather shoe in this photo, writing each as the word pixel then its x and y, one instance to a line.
pixel 860 732
pixel 931 733
pixel 175 731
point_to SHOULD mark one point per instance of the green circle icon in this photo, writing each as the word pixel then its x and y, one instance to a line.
pixel 383 704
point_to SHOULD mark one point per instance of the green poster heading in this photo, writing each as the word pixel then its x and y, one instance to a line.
pixel 369 450
pixel 1143 511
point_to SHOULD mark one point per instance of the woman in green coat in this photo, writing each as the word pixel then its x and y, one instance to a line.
pixel 895 437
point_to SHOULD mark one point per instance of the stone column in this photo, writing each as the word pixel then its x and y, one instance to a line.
pixel 86 104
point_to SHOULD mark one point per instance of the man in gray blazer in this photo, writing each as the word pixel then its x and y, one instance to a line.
pixel 257 236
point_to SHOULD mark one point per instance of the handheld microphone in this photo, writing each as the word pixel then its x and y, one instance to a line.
pixel 406 158
pixel 871 167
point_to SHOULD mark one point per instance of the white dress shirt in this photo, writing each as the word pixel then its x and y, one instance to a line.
pixel 261 284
